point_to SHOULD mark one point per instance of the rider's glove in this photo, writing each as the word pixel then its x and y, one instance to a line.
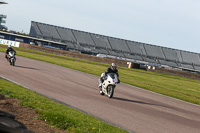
pixel 118 81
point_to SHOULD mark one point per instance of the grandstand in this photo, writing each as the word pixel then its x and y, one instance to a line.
pixel 119 48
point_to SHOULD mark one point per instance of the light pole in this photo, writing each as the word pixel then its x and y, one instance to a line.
pixel 2 2
pixel 2 17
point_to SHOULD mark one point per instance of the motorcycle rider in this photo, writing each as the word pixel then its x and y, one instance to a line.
pixel 9 49
pixel 111 69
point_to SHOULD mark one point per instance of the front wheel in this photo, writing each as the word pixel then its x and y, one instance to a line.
pixel 13 62
pixel 110 91
pixel 10 62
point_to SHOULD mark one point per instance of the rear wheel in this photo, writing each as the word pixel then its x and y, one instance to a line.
pixel 110 91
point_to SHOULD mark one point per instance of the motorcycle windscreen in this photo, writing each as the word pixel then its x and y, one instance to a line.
pixel 112 75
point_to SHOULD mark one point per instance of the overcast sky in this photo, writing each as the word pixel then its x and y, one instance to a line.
pixel 168 23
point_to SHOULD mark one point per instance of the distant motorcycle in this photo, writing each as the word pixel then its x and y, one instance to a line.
pixel 109 84
pixel 11 58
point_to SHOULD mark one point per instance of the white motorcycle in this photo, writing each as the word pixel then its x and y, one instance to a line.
pixel 109 84
pixel 11 58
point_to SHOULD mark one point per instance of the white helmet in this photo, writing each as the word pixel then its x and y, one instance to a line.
pixel 10 46
pixel 113 66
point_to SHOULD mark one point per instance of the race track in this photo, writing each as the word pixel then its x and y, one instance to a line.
pixel 131 108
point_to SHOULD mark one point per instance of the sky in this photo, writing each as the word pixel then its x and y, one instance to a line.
pixel 168 23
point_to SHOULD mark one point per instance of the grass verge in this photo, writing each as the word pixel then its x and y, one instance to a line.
pixel 56 114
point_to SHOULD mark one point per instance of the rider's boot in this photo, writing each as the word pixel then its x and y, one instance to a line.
pixel 100 87
pixel 6 57
pixel 100 84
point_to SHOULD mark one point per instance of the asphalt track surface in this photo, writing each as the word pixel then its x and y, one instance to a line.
pixel 131 108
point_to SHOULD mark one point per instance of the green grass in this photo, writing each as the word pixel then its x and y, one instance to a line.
pixel 56 114
pixel 173 86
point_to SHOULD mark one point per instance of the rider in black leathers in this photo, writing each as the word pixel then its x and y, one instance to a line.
pixel 8 50
pixel 111 69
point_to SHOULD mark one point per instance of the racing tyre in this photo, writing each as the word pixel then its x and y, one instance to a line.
pixel 110 91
